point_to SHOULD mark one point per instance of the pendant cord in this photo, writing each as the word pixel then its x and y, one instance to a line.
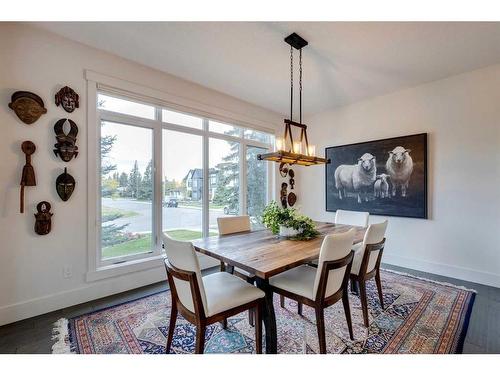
pixel 291 83
pixel 300 85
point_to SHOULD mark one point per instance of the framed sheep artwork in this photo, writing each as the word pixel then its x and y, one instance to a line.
pixel 383 177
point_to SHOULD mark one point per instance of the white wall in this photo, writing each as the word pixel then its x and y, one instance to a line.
pixel 31 277
pixel 461 115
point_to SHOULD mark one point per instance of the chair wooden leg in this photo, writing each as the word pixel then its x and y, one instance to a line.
pixel 379 288
pixel 320 324
pixel 200 339
pixel 364 301
pixel 258 329
pixel 354 287
pixel 251 316
pixel 347 311
pixel 299 308
pixel 222 267
pixel 224 323
pixel 171 326
pixel 282 302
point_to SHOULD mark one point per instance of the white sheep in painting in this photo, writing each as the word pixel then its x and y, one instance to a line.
pixel 399 166
pixel 358 177
pixel 381 186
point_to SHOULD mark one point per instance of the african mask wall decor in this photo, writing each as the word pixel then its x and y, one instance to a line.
pixel 68 99
pixel 65 185
pixel 28 176
pixel 66 146
pixel 27 106
pixel 43 218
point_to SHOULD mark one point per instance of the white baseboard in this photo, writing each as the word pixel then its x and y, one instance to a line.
pixel 89 292
pixel 461 273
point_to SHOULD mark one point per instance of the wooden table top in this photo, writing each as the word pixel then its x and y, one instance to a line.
pixel 264 254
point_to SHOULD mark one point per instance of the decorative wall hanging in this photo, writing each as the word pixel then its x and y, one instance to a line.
pixel 283 194
pixel 283 170
pixel 28 176
pixel 68 99
pixel 43 221
pixel 65 185
pixel 66 146
pixel 27 106
pixel 289 151
pixel 384 177
pixel 292 198
pixel 291 174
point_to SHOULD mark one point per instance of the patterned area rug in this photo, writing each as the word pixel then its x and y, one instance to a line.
pixel 420 316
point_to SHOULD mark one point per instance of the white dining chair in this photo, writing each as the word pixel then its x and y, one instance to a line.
pixel 322 286
pixel 208 299
pixel 357 218
pixel 366 264
pixel 231 225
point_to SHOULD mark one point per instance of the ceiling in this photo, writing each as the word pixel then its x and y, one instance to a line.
pixel 345 62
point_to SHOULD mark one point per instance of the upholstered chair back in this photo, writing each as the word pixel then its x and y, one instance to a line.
pixel 233 224
pixel 182 255
pixel 374 234
pixel 357 218
pixel 334 247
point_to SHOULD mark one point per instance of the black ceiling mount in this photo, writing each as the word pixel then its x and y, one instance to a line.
pixel 296 41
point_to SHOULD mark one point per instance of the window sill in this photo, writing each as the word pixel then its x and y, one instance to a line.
pixel 119 269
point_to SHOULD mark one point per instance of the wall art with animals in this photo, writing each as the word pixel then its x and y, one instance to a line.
pixel 383 177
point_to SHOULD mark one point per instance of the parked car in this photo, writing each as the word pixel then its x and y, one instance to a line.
pixel 231 210
pixel 172 202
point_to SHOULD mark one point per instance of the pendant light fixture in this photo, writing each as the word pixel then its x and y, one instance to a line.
pixel 289 151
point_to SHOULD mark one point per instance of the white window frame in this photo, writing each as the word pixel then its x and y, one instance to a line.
pixel 96 83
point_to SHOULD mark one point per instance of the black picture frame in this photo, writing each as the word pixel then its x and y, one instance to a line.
pixel 413 205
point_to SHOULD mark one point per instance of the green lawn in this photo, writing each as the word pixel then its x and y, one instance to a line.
pixel 110 212
pixel 143 244
pixel 198 204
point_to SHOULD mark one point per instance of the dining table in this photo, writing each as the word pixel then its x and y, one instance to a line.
pixel 264 254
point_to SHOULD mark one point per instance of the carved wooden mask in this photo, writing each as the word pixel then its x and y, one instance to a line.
pixel 43 218
pixel 68 99
pixel 27 106
pixel 65 185
pixel 66 146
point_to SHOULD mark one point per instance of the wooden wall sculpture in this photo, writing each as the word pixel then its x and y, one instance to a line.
pixel 65 185
pixel 66 146
pixel 27 106
pixel 68 99
pixel 43 218
pixel 28 176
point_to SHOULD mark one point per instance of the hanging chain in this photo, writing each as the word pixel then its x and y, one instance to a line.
pixel 291 83
pixel 300 85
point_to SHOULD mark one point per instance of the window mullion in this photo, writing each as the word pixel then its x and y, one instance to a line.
pixel 206 181
pixel 157 186
pixel 243 178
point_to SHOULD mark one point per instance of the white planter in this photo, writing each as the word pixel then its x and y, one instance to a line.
pixel 288 232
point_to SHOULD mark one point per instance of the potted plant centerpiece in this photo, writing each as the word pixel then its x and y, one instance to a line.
pixel 287 222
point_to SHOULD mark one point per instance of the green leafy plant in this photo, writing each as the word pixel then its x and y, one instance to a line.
pixel 273 216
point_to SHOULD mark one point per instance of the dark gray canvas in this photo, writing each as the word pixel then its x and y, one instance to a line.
pixel 383 177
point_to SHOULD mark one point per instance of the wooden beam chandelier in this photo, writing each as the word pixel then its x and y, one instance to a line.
pixel 288 151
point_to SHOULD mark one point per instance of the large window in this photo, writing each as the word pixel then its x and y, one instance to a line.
pixel 167 171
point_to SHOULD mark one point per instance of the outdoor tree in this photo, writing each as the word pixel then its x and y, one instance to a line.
pixel 256 182
pixel 134 182
pixel 146 186
pixel 227 187
pixel 123 180
pixel 107 142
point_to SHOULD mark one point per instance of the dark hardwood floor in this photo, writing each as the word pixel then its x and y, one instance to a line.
pixel 34 335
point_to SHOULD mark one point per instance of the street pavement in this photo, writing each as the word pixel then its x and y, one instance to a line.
pixel 173 218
